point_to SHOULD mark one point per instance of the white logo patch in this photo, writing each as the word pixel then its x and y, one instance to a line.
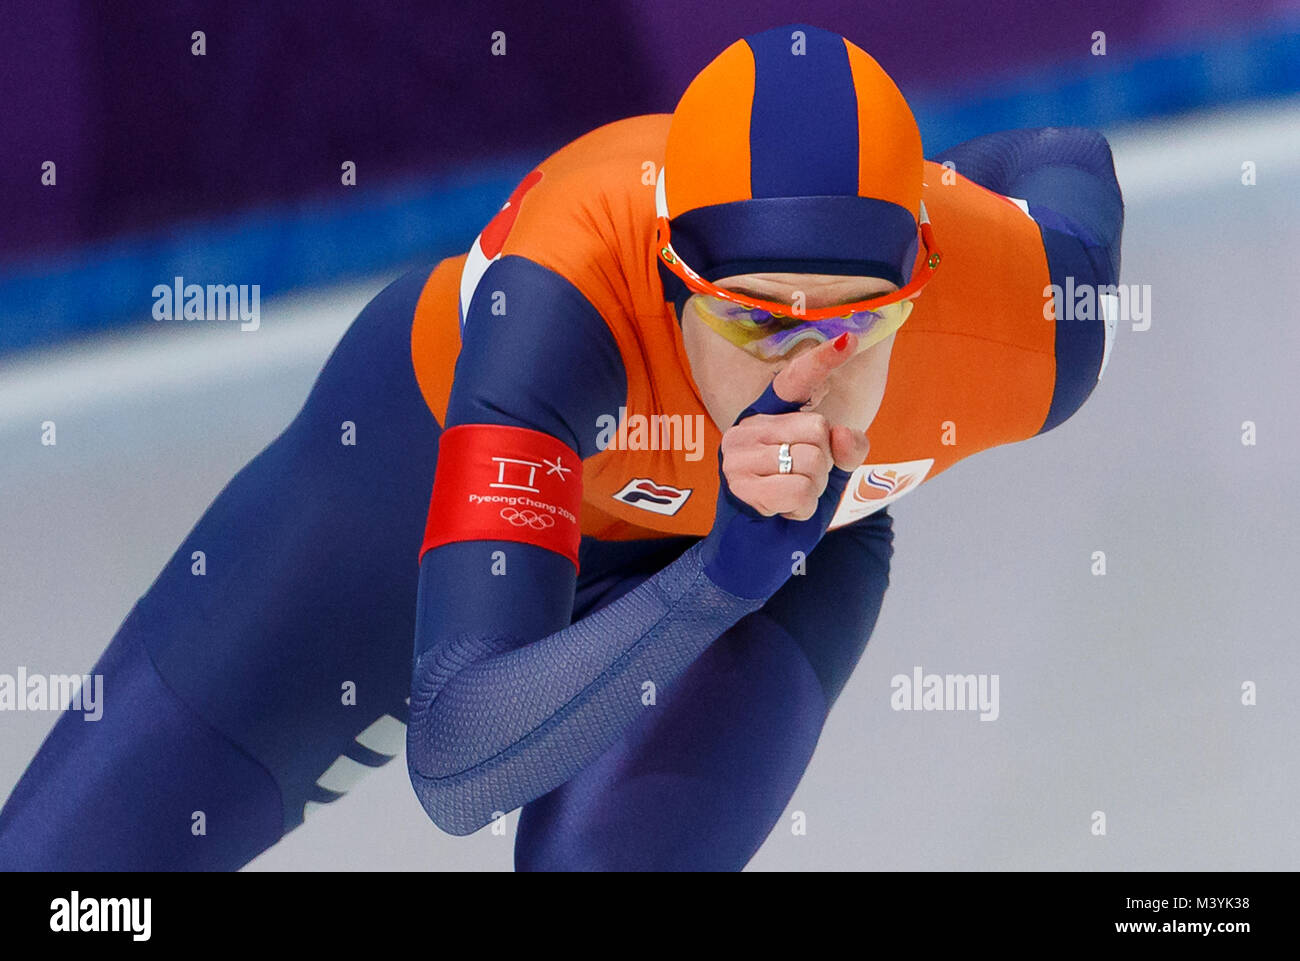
pixel 872 486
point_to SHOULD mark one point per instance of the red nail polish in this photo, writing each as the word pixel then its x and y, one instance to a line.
pixel 842 341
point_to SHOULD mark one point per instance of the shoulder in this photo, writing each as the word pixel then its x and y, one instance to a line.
pixel 588 212
pixel 535 352
pixel 579 197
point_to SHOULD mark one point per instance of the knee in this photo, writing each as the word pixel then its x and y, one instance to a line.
pixel 541 844
pixel 552 836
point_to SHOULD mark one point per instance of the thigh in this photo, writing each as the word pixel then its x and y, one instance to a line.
pixel 295 643
pixel 136 782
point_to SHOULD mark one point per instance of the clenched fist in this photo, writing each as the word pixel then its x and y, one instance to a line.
pixel 751 448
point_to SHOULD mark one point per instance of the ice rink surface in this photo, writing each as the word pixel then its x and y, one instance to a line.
pixel 1120 694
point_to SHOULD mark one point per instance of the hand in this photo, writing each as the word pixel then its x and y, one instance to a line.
pixel 751 446
pixel 751 549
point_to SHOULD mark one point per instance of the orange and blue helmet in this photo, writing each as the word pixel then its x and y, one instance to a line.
pixel 792 151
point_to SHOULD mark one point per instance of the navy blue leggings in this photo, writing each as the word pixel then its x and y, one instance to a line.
pixel 236 700
pixel 228 693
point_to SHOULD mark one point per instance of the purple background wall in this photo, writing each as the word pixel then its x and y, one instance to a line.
pixel 143 131
pixel 150 140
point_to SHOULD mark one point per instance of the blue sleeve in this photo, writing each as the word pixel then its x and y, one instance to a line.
pixel 498 720
pixel 1066 176
pixel 508 699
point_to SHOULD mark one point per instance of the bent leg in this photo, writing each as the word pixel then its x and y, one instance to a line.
pixel 122 793
pixel 699 784
pixel 279 675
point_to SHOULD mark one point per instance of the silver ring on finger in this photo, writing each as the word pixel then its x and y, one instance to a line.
pixel 784 462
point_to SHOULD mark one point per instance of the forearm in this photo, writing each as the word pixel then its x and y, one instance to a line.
pixel 494 725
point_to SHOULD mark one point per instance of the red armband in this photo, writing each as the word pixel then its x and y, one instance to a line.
pixel 503 483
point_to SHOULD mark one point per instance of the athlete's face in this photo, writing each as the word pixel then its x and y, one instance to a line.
pixel 730 379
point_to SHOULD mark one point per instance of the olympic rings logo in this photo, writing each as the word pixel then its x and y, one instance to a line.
pixel 538 522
